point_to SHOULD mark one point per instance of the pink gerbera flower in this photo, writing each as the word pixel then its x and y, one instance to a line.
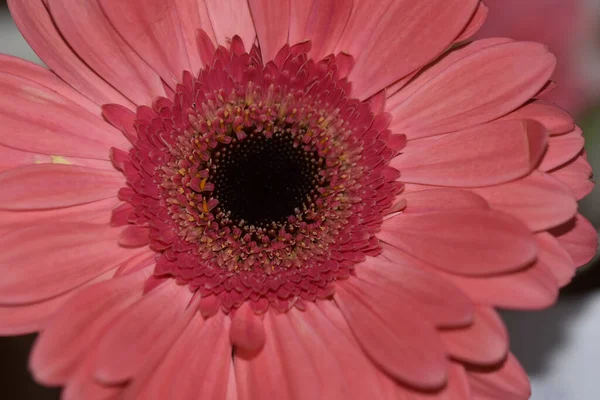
pixel 274 199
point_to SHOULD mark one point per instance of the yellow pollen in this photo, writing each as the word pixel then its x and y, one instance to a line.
pixel 202 184
pixel 204 206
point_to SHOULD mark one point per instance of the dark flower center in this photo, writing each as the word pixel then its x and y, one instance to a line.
pixel 262 181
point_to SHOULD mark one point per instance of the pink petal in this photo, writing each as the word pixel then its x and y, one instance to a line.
pixel 110 56
pixel 98 212
pixel 196 366
pixel 403 344
pixel 531 288
pixel 579 238
pixel 485 342
pixel 577 176
pixel 37 27
pixel 49 123
pixel 408 36
pixel 402 281
pixel 325 25
pixel 444 199
pixel 475 23
pixel 272 20
pixel 473 242
pixel 476 89
pixel 301 10
pixel 539 200
pixel 134 236
pixel 80 322
pixel 152 29
pixel 193 15
pixel 45 186
pixel 562 149
pixel 509 381
pixel 33 72
pixel 447 60
pixel 146 330
pixel 121 118
pixel 555 258
pixel 298 354
pixel 12 158
pixel 247 330
pixel 230 18
pixel 45 260
pixel 555 119
pixel 480 156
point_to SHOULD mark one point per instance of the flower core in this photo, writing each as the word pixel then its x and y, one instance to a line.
pixel 262 183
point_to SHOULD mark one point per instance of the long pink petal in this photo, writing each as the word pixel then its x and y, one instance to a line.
pixel 36 25
pixel 325 25
pixel 203 349
pixel 476 89
pixel 396 98
pixel 37 119
pixel 579 238
pixel 402 281
pixel 555 258
pixel 473 242
pixel 146 330
pixel 299 351
pixel 444 199
pixel 80 322
pixel 531 288
pixel 577 175
pixel 33 72
pixel 46 186
pixel 408 36
pixel 485 342
pixel 45 260
pixel 539 200
pixel 476 22
pixel 403 344
pixel 230 18
pixel 509 381
pixel 272 22
pixel 110 56
pixel 193 15
pixel 556 120
pixel 480 156
pixel 152 29
pixel 299 18
pixel 562 149
pixel 12 158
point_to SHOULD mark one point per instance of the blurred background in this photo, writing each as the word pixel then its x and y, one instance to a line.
pixel 558 347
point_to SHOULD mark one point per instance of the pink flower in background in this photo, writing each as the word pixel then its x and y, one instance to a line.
pixel 275 199
pixel 564 26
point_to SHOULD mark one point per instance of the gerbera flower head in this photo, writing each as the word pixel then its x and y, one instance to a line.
pixel 281 199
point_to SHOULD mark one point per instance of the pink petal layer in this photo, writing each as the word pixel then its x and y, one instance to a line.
pixel 475 89
pixel 110 56
pixel 562 149
pixel 247 330
pixel 539 200
pixel 579 238
pixel 193 15
pixel 509 381
pixel 326 22
pixel 555 119
pixel 475 23
pixel 298 354
pixel 204 352
pixel 58 351
pixel 12 158
pixel 555 258
pixel 485 342
pixel 152 29
pixel 408 36
pixel 145 331
pixel 480 156
pixel 473 242
pixel 403 345
pixel 577 176
pixel 403 281
pixel 46 186
pixel 230 18
pixel 272 21
pixel 49 123
pixel 34 22
pixel 432 200
pixel 33 72
pixel 43 261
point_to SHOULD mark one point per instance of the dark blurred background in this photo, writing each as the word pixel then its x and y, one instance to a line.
pixel 558 347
